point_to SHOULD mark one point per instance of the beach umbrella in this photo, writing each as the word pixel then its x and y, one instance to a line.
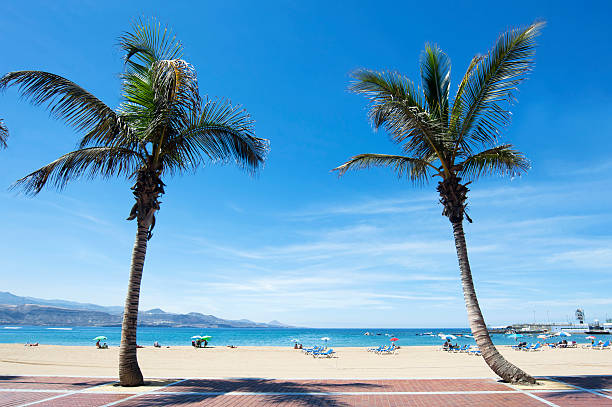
pixel 446 337
pixel 564 334
pixel 590 337
pixel 206 337
pixel 196 337
pixel 99 338
pixel 515 336
pixel 394 339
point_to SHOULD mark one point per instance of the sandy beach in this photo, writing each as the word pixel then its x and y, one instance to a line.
pixel 278 362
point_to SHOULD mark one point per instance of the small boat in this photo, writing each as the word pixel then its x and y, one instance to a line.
pixel 596 329
pixel 367 334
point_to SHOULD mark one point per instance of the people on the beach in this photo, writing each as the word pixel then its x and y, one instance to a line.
pixel 156 344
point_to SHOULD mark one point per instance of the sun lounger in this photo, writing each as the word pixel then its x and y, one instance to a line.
pixel 327 354
pixel 475 351
pixel 390 350
pixel 535 348
pixel 603 346
pixel 460 349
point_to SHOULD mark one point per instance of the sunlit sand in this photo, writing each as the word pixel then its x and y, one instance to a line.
pixel 279 362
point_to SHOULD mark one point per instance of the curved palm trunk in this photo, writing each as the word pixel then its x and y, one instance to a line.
pixel 504 369
pixel 129 371
pixel 147 190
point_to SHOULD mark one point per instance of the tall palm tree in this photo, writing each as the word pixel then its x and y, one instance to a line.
pixel 162 127
pixel 457 143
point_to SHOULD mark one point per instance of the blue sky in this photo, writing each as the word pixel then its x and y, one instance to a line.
pixel 295 243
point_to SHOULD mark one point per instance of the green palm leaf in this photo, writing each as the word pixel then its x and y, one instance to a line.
pixel 65 100
pixel 413 168
pixel 217 131
pixel 501 160
pixel 147 43
pixel 435 77
pixel 87 162
pixel 396 105
pixel 481 113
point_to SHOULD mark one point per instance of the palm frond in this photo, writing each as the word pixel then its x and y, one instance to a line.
pixel 491 86
pixel 149 42
pixel 396 105
pixel 413 168
pixel 218 131
pixel 435 77
pixel 87 162
pixel 67 101
pixel 500 160
pixel 4 133
pixel 457 108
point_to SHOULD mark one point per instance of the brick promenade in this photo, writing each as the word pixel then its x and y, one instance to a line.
pixel 101 392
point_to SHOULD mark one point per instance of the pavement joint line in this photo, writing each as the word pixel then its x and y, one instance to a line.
pixel 533 396
pixel 114 403
pixel 581 388
pixel 64 395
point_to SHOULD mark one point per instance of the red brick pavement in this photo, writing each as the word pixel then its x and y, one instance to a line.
pixel 83 400
pixel 588 382
pixel 460 400
pixel 575 399
pixel 17 398
pixel 283 393
pixel 49 383
pixel 334 386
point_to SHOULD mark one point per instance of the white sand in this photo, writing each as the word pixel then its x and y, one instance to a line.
pixel 277 362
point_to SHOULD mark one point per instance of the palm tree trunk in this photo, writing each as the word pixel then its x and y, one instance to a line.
pixel 129 372
pixel 504 369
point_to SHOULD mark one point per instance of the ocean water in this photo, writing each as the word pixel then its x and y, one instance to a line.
pixel 249 336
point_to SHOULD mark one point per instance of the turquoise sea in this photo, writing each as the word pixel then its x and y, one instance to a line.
pixel 248 336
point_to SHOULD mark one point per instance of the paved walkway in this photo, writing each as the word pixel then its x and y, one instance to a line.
pixel 42 391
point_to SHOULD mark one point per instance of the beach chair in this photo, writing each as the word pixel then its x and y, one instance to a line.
pixel 475 351
pixel 536 347
pixel 308 351
pixel 327 354
pixel 375 349
pixel 382 349
pixel 603 346
pixel 390 350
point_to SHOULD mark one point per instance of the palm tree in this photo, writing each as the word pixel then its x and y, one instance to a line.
pixel 457 143
pixel 162 127
pixel 4 133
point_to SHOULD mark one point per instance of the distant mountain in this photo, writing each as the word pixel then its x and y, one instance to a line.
pixel 11 299
pixel 15 310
